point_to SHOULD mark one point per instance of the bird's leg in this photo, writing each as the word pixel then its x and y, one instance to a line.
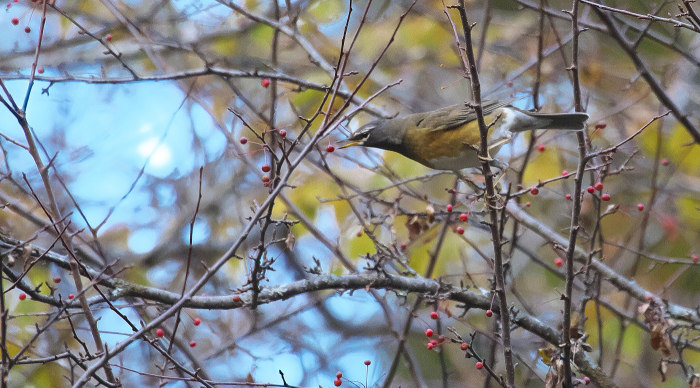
pixel 502 167
pixel 488 157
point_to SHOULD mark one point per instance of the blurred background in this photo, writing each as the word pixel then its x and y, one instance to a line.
pixel 131 98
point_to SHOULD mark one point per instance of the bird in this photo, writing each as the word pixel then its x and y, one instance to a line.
pixel 448 138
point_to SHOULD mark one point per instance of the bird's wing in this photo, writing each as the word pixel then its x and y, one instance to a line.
pixel 454 116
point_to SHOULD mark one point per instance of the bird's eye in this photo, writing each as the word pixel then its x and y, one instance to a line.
pixel 361 135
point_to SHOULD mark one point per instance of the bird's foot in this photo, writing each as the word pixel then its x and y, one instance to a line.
pixel 486 158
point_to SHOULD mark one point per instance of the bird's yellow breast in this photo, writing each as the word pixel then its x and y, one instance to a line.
pixel 452 149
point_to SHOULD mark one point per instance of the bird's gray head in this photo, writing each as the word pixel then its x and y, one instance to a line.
pixel 378 134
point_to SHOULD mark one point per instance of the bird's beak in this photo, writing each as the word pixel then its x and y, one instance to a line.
pixel 351 142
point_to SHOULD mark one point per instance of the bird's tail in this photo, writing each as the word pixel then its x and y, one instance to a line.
pixel 567 121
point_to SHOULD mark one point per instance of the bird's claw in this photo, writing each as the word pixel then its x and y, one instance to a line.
pixel 486 158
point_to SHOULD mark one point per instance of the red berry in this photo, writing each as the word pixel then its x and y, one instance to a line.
pixel 71 296
pixel 282 133
pixel 479 365
pixel 649 298
pixel 367 362
pixel 489 313
pixel 568 197
pixel 193 344
pixel 27 29
pixel 108 38
pixel 540 147
pixel 463 217
pixel 586 380
pixel 464 346
pixel 527 204
pixel 22 296
pixel 564 173
pixel 330 148
pixel 664 161
pixel 339 374
pixel 40 70
pixel 605 197
pixel 236 298
pixel 403 246
pixel 430 346
pixel 265 179
pixel 160 332
pixel 460 230
pixel 591 189
pixel 640 207
pixel 57 280
pixel 558 262
pixel 695 258
pixel 434 342
pixel 441 339
pixel 433 315
pixel 197 321
pixel 337 382
pixel 266 168
pixel 265 82
pixel 15 21
pixel 244 140
pixel 449 208
pixel 601 126
pixel 599 186
pixel 429 333
pixel 534 191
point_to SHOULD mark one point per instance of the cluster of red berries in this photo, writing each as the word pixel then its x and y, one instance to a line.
pixel 598 186
pixel 56 279
pixel 339 375
pixel 282 133
pixel 160 332
pixel 434 342
pixel 462 217
pixel 337 380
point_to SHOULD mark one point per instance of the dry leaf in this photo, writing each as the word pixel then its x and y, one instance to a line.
pixel 550 380
pixel 547 354
pixel 663 369
pixel 655 318
pixel 430 211
pixel 575 333
pixel 660 339
pixel 290 241
pixel 415 226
